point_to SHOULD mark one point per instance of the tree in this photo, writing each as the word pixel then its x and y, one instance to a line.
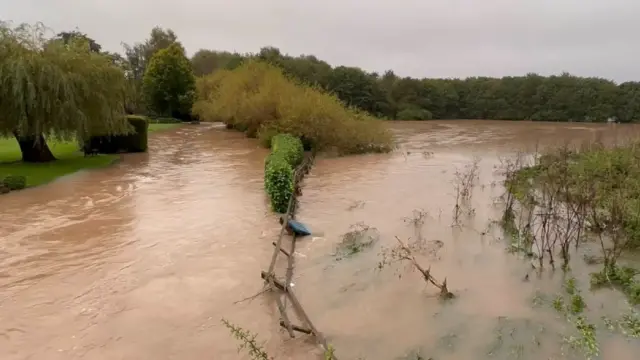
pixel 205 62
pixel 68 36
pixel 169 83
pixel 137 57
pixel 57 89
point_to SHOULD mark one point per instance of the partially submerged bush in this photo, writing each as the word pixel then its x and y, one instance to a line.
pixel 134 141
pixel 258 99
pixel 278 180
pixel 286 154
pixel 289 147
pixel 15 182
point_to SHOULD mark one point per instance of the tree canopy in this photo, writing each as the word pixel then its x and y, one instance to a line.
pixel 562 97
pixel 59 88
pixel 169 83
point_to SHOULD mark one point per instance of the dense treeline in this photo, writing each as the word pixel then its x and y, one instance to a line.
pixel 531 97
pixel 561 97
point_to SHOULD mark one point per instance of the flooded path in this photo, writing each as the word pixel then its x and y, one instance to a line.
pixel 142 259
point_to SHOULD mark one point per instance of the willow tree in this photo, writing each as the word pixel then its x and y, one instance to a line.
pixel 55 89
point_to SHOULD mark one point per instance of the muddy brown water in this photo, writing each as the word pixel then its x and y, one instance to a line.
pixel 141 260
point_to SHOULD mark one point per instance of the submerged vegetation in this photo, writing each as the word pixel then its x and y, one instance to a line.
pixel 259 99
pixel 567 197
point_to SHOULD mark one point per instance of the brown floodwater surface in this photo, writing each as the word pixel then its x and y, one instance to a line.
pixel 141 260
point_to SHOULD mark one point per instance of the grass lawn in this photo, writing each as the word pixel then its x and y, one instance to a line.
pixel 70 159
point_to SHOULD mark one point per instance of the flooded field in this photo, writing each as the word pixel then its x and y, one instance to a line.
pixel 143 259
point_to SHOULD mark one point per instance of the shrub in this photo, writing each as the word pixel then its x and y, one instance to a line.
pixel 138 141
pixel 278 179
pixel 258 99
pixel 15 182
pixel 286 154
pixel 414 113
pixel 289 147
pixel 135 141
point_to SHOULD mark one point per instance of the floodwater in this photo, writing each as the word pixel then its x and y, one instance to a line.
pixel 141 260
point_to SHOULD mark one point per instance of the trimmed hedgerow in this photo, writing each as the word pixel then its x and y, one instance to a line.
pixel 286 153
pixel 289 147
pixel 279 183
pixel 135 141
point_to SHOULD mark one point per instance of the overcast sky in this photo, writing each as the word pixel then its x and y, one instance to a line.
pixel 425 38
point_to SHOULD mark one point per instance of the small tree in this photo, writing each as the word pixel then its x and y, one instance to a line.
pixel 57 88
pixel 169 84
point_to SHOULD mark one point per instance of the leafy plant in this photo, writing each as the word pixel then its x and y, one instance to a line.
pixel 15 182
pixel 286 153
pixel 289 147
pixel 249 341
pixel 279 184
pixel 169 83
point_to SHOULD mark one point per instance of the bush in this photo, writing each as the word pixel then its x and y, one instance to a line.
pixel 135 141
pixel 286 154
pixel 413 113
pixel 289 147
pixel 258 99
pixel 278 180
pixel 15 182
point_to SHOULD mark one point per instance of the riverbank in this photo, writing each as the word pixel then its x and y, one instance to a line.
pixel 70 159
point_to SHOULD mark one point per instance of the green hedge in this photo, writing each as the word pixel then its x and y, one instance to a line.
pixel 289 147
pixel 137 141
pixel 286 153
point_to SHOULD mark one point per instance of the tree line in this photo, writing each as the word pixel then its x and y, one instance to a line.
pixel 563 97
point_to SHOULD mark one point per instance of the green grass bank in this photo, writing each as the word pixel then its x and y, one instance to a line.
pixel 70 158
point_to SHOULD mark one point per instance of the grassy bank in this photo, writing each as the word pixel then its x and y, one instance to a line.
pixel 70 159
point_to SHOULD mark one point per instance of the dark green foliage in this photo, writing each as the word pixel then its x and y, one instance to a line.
pixel 169 84
pixel 135 141
pixel 14 182
pixel 413 113
pixel 286 153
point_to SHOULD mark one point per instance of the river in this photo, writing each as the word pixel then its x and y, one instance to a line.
pixel 141 260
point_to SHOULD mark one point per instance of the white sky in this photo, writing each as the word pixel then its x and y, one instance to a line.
pixel 423 38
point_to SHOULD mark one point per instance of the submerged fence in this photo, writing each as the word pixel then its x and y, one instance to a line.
pixel 283 285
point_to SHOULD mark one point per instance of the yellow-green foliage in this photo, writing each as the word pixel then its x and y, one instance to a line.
pixel 257 98
pixel 286 154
